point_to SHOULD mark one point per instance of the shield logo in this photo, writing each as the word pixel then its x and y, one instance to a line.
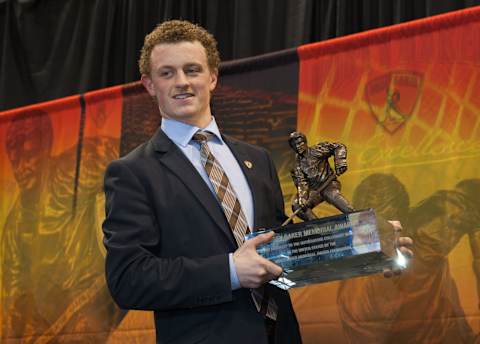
pixel 392 98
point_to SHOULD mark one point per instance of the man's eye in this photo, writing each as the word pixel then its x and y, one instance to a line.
pixel 165 73
pixel 192 71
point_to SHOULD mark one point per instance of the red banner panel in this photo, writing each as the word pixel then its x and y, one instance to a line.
pixel 405 102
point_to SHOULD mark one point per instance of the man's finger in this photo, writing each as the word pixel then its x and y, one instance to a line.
pixel 387 273
pixel 397 226
pixel 261 239
pixel 273 269
pixel 405 241
pixel 397 271
pixel 406 252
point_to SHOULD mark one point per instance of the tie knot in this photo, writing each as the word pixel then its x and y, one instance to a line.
pixel 202 136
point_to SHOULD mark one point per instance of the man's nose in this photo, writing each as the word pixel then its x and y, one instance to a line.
pixel 181 79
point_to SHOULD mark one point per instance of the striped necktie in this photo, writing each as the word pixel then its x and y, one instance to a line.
pixel 233 212
pixel 223 189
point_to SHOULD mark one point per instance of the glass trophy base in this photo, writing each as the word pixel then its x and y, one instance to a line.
pixel 332 248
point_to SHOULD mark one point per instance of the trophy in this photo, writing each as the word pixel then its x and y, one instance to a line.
pixel 354 243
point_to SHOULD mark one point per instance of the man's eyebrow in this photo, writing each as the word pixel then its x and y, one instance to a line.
pixel 165 67
pixel 189 64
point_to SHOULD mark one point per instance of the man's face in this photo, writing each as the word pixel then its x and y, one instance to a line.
pixel 181 81
pixel 300 145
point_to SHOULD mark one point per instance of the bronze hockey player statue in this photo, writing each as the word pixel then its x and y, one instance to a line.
pixel 314 178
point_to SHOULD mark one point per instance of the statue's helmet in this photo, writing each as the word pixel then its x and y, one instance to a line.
pixel 296 136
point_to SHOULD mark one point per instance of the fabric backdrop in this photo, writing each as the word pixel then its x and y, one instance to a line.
pixel 56 48
pixel 403 99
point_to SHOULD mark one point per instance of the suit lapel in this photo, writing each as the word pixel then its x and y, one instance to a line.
pixel 173 159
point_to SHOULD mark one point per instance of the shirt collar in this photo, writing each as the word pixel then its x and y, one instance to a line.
pixel 182 133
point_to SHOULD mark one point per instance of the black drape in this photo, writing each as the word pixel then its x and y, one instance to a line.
pixel 54 48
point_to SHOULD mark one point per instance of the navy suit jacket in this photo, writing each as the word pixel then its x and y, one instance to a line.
pixel 168 240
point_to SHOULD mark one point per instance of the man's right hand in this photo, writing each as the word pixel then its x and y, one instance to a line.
pixel 252 269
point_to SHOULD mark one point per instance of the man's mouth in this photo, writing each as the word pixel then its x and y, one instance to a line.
pixel 183 96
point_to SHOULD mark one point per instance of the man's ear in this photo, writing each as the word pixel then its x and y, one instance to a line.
pixel 148 84
pixel 213 79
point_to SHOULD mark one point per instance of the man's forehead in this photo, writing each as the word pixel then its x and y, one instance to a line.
pixel 180 54
pixel 193 47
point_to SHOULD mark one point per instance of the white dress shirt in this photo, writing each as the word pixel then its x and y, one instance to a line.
pixel 181 134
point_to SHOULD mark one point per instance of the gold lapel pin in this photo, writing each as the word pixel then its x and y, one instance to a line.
pixel 248 163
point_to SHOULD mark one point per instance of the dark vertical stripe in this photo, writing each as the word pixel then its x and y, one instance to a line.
pixel 235 215
pixel 79 153
pixel 222 190
pixel 208 162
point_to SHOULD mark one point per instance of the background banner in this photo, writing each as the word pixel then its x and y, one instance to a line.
pixel 403 99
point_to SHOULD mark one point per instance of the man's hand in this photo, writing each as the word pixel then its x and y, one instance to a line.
pixel 404 245
pixel 252 269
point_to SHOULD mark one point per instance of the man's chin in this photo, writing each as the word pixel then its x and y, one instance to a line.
pixel 185 114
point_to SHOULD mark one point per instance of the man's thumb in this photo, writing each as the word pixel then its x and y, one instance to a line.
pixel 261 239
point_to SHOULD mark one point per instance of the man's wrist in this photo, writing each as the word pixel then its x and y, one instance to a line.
pixel 234 281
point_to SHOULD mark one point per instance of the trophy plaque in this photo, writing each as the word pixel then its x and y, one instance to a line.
pixel 332 248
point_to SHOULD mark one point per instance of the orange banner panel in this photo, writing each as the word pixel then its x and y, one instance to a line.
pixel 53 156
pixel 404 100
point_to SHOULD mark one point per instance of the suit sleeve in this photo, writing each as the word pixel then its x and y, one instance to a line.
pixel 137 276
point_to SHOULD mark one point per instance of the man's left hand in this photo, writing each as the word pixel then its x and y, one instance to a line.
pixel 404 244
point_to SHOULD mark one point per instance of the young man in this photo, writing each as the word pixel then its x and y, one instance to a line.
pixel 178 206
pixel 174 229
